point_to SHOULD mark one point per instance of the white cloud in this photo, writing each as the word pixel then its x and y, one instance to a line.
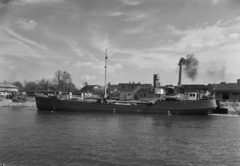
pixel 114 14
pixel 174 31
pixel 36 1
pixel 214 2
pixel 134 30
pixel 88 77
pixel 131 2
pixel 74 46
pixel 83 64
pixel 130 16
pixel 27 25
pixel 237 18
pixel 208 41
pixel 221 22
pixel 136 16
pixel 99 66
pixel 20 38
pixel 234 35
pixel 209 37
pixel 12 67
pixel 99 39
pixel 17 45
pixel 66 62
pixel 112 68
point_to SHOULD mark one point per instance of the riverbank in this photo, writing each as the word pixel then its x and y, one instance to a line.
pixel 9 103
pixel 233 107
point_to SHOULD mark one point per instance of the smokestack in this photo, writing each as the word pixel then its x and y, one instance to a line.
pixel 180 71
pixel 190 65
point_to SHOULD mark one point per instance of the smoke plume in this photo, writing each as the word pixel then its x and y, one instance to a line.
pixel 190 66
pixel 216 69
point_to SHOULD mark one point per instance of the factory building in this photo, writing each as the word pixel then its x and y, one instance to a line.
pixel 227 91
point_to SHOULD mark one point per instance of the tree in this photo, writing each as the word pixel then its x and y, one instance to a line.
pixel 63 80
pixel 44 84
pixel 31 85
pixel 71 87
pixel 18 84
pixel 58 79
pixel 66 77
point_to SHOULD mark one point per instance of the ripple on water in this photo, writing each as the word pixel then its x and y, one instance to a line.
pixel 29 137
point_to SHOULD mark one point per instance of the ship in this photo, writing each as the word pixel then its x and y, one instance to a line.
pixel 170 105
pixel 53 103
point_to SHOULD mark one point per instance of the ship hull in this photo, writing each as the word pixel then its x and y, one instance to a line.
pixel 201 107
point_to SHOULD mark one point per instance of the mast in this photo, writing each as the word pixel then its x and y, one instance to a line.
pixel 105 86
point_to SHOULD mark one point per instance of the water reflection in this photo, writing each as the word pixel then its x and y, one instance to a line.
pixel 30 137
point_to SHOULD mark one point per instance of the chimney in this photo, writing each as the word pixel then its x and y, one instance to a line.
pixel 180 71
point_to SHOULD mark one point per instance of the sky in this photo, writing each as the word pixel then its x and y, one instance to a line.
pixel 142 38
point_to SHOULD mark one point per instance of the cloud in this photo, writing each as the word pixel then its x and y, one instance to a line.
pixel 214 2
pixel 221 22
pixel 67 62
pixel 88 77
pixel 132 2
pixel 136 16
pixel 12 67
pixel 17 45
pixel 12 35
pixel 74 46
pixel 3 60
pixel 215 69
pixel 99 66
pixel 99 39
pixel 234 35
pixel 175 31
pixel 197 39
pixel 112 68
pixel 114 14
pixel 204 41
pixel 27 25
pixel 131 15
pixel 4 6
pixel 84 64
pixel 134 30
pixel 23 2
pixel 209 37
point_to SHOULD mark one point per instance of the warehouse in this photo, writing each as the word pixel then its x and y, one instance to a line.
pixel 227 91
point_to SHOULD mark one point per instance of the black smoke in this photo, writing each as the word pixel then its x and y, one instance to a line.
pixel 190 66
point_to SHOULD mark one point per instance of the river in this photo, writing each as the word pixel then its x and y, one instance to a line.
pixel 30 137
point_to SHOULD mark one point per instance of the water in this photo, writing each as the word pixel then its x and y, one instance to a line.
pixel 29 137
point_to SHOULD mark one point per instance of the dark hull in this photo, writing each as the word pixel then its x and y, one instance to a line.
pixel 201 107
pixel 220 110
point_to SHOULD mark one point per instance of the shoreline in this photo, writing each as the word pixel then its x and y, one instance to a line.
pixel 9 103
pixel 233 107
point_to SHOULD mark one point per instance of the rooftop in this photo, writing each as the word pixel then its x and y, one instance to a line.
pixel 7 85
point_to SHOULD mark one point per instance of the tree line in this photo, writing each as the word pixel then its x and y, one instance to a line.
pixel 62 81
